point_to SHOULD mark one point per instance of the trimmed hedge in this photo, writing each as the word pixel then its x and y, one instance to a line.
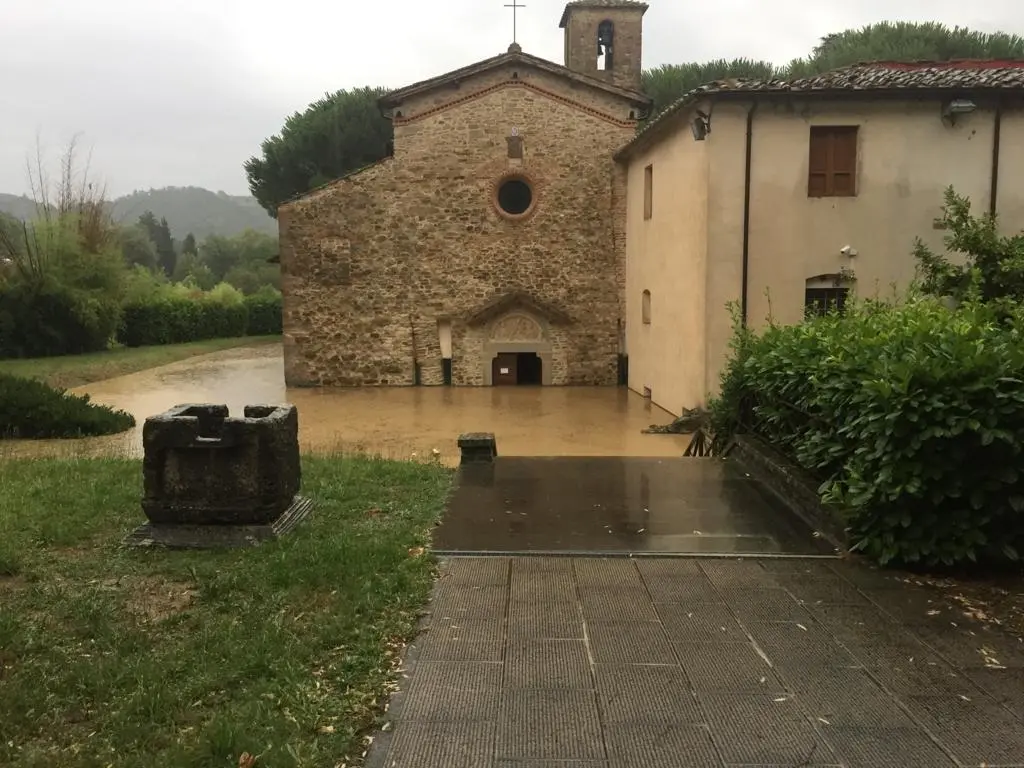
pixel 31 409
pixel 49 320
pixel 179 319
pixel 265 318
pixel 912 415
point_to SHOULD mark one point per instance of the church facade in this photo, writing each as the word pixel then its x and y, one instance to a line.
pixel 490 247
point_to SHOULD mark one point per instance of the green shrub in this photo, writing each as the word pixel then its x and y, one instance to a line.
pixel 176 319
pixel 47 319
pixel 264 309
pixel 31 409
pixel 911 415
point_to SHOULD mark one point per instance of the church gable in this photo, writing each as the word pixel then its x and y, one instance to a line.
pixel 516 303
pixel 620 105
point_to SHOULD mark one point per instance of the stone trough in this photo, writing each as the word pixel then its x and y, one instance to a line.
pixel 211 480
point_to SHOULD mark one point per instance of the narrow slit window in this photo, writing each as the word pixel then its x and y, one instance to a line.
pixel 648 191
pixel 645 307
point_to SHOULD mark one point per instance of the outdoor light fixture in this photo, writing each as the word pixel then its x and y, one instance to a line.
pixel 701 126
pixel 958 107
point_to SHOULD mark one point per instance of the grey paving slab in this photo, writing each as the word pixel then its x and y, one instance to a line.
pixel 727 667
pixel 474 571
pixel 1005 686
pixel 764 729
pixel 700 622
pixel 665 745
pixel 554 620
pixel 863 747
pixel 550 662
pixel 977 732
pixel 633 643
pixel 550 725
pixel 608 604
pixel 846 698
pixel 547 663
pixel 432 745
pixel 645 693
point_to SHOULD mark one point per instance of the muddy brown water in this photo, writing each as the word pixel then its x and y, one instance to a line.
pixel 394 422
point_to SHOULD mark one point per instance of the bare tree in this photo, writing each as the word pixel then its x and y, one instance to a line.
pixel 75 211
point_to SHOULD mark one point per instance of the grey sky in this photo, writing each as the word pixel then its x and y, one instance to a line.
pixel 181 93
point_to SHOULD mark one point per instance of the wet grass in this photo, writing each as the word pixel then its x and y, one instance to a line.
pixel 75 370
pixel 128 658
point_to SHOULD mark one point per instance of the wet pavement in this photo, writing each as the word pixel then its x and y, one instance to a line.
pixel 394 422
pixel 622 663
pixel 623 505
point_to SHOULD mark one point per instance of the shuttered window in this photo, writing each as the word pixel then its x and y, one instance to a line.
pixel 833 161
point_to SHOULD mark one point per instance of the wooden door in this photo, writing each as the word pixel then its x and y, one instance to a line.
pixel 503 370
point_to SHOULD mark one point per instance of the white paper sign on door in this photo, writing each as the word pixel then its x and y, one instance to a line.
pixel 504 371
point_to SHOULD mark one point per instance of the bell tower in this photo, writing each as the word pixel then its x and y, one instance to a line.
pixel 604 38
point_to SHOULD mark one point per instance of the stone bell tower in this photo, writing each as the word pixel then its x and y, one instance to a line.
pixel 604 38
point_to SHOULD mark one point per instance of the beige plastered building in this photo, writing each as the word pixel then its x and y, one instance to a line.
pixel 780 195
pixel 524 232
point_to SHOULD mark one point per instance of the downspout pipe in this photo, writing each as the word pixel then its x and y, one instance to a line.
pixel 746 214
pixel 993 198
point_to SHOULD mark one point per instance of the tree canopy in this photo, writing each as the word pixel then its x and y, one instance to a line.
pixel 337 134
pixel 345 131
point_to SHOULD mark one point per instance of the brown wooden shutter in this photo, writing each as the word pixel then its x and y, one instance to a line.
pixel 817 178
pixel 844 161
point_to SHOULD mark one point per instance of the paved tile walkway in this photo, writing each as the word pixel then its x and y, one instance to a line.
pixel 547 662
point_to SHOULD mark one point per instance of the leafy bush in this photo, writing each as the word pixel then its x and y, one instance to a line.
pixel 991 267
pixel 31 409
pixel 264 309
pixel 178 319
pixel 912 415
pixel 46 318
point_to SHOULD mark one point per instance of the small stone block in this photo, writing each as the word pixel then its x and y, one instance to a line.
pixel 477 447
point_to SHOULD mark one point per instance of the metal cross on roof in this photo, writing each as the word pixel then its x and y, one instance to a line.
pixel 514 6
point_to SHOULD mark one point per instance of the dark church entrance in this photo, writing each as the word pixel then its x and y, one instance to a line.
pixel 516 368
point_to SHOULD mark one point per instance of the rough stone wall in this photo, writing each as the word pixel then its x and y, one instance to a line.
pixel 371 263
pixel 581 44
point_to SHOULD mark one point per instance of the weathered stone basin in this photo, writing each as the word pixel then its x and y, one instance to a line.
pixel 202 466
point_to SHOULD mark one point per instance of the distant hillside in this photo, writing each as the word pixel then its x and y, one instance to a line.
pixel 187 209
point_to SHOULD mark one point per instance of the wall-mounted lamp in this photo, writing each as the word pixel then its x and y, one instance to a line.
pixel 957 107
pixel 701 126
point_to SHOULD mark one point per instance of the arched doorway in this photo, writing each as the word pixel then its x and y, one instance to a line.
pixel 517 352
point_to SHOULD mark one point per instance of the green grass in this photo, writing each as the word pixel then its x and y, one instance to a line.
pixel 74 370
pixel 120 657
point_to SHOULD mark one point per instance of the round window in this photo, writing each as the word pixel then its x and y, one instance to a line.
pixel 515 197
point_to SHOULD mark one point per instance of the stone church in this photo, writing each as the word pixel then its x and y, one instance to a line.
pixel 489 248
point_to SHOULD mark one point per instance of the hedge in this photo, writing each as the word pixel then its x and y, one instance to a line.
pixel 49 319
pixel 264 312
pixel 912 416
pixel 31 409
pixel 173 320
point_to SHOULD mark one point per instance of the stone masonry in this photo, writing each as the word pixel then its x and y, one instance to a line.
pixel 376 263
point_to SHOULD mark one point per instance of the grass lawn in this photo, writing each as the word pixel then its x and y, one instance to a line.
pixel 117 657
pixel 74 370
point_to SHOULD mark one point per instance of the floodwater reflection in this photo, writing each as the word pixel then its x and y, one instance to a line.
pixel 395 422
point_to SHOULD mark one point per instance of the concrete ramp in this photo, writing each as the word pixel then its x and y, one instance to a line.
pixel 612 505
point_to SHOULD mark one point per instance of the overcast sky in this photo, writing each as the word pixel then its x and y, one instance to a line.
pixel 181 93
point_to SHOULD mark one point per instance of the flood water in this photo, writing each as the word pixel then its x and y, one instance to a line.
pixel 394 422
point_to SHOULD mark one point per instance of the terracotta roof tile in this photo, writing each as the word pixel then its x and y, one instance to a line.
pixel 868 77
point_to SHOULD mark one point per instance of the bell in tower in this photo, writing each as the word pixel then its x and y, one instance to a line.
pixel 605 37
pixel 616 28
